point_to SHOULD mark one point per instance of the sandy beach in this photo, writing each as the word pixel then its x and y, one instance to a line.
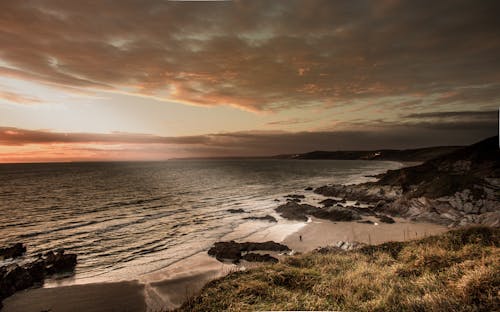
pixel 318 233
pixel 169 287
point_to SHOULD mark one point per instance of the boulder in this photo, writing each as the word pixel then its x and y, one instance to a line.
pixel 295 211
pixel 309 188
pixel 226 251
pixel 59 262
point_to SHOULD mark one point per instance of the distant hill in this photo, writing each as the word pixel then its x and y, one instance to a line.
pixel 419 154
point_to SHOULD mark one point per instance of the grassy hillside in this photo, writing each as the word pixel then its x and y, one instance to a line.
pixel 456 271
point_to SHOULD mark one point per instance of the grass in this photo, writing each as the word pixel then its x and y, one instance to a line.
pixel 455 271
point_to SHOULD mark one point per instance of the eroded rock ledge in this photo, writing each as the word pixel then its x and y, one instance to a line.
pixel 233 252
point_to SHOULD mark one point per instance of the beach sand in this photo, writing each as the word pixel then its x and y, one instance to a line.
pixel 122 296
pixel 318 233
pixel 168 288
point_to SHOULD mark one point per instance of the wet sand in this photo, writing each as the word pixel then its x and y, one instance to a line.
pixel 318 232
pixel 123 296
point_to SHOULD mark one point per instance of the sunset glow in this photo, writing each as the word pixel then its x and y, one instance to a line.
pixel 153 80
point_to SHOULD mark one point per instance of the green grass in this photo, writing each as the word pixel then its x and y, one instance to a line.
pixel 455 271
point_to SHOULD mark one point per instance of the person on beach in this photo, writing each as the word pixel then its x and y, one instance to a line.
pixel 300 237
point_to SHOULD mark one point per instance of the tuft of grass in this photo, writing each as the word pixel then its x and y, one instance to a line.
pixel 455 271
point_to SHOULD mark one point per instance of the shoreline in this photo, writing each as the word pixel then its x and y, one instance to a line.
pixel 168 288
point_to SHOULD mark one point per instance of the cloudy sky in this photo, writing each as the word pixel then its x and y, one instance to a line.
pixel 155 79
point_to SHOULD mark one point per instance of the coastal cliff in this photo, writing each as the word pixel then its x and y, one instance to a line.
pixel 455 189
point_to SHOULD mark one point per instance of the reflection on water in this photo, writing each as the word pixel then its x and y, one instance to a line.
pixel 132 218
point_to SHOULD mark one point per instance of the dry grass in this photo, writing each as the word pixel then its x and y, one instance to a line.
pixel 456 271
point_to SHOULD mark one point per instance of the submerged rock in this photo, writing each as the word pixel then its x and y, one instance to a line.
pixel 59 262
pixel 264 218
pixel 239 210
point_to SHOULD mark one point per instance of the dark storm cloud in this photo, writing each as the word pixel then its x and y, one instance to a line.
pixel 259 55
pixel 492 115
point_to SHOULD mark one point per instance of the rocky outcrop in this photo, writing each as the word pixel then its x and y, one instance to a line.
pixel 456 189
pixel 15 277
pixel 14 251
pixel 264 218
pixel 232 251
pixel 295 211
pixel 385 219
pixel 239 210
pixel 300 212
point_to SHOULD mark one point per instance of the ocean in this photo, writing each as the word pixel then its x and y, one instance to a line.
pixel 126 219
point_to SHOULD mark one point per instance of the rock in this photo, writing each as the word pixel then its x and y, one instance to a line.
pixel 14 278
pixel 253 257
pixel 37 270
pixel 295 196
pixel 226 251
pixel 294 200
pixel 336 214
pixel 329 202
pixel 269 246
pixel 14 251
pixel 295 211
pixel 264 218
pixel 239 210
pixel 309 188
pixel 231 251
pixel 356 203
pixel 385 219
pixel 59 262
pixel 366 222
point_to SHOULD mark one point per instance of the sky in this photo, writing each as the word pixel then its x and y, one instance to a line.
pixel 155 79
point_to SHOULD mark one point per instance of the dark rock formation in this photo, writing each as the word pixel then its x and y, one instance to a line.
pixel 294 200
pixel 385 219
pixel 336 214
pixel 254 257
pixel 295 211
pixel 309 188
pixel 455 189
pixel 59 262
pixel 296 196
pixel 264 218
pixel 239 210
pixel 231 251
pixel 16 277
pixel 329 202
pixel 300 212
pixel 14 251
